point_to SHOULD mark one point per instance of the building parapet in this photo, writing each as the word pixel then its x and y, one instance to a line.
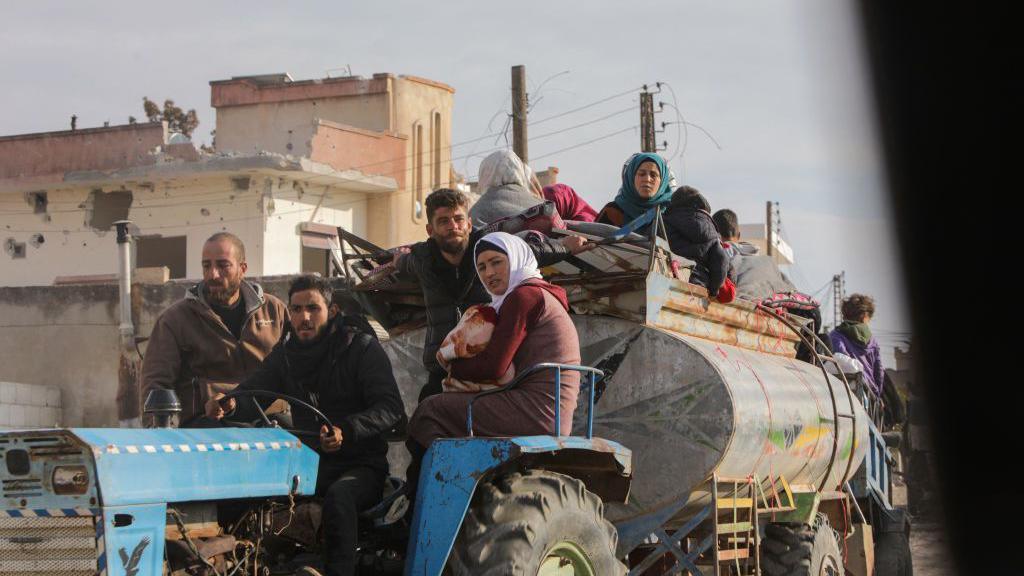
pixel 25 156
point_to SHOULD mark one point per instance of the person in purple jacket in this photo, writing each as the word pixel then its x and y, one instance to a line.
pixel 853 338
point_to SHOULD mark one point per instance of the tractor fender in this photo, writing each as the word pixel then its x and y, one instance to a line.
pixel 453 467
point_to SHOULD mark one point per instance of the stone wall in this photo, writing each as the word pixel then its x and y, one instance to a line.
pixel 66 338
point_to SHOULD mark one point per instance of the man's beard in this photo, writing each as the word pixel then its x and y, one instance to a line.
pixel 321 331
pixel 453 244
pixel 222 295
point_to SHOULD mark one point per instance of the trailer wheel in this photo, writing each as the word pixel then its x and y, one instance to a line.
pixel 535 523
pixel 801 550
pixel 892 555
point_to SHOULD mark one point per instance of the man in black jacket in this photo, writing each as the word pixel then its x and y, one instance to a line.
pixel 448 278
pixel 339 367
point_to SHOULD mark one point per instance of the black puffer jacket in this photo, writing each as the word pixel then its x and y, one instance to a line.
pixel 692 234
pixel 448 290
pixel 348 377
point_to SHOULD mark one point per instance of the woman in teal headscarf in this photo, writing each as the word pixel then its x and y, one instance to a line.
pixel 646 183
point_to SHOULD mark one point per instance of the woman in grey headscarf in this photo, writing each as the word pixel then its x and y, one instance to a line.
pixel 505 189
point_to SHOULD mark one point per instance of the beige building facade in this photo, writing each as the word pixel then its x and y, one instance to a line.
pixel 273 113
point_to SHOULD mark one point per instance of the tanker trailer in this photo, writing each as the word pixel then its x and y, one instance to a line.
pixel 742 455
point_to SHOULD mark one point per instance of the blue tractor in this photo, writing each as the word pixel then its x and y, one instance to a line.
pixel 238 501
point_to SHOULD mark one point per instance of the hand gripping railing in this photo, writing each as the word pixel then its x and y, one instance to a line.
pixel 594 374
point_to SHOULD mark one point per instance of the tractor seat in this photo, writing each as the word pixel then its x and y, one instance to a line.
pixel 392 507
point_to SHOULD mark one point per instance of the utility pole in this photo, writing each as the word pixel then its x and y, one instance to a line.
pixel 838 295
pixel 519 107
pixel 647 141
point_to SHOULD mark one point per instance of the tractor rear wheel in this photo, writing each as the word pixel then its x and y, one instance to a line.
pixel 801 550
pixel 536 523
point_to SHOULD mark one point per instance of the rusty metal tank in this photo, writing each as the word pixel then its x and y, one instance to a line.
pixel 689 408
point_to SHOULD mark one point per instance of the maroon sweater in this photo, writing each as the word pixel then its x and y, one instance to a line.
pixel 533 327
pixel 521 310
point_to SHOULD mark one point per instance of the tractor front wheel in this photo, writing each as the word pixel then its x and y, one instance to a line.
pixel 537 523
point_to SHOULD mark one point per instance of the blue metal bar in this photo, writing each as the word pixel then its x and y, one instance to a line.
pixel 594 374
pixel 667 543
pixel 558 402
pixel 630 227
pixel 590 406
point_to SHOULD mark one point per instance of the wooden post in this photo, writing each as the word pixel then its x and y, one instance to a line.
pixel 647 142
pixel 519 107
pixel 769 230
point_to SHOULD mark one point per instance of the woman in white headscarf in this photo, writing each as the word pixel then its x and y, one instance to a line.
pixel 533 327
pixel 505 188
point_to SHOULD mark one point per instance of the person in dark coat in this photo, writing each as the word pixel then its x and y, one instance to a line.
pixel 692 234
pixel 337 365
pixel 448 276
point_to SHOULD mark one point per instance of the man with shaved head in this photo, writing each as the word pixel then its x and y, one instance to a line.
pixel 215 336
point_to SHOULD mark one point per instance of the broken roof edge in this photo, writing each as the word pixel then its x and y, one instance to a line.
pixel 212 166
pixel 89 131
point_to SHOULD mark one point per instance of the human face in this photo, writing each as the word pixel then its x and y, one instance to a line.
pixel 450 228
pixel 308 314
pixel 222 272
pixel 647 180
pixel 493 269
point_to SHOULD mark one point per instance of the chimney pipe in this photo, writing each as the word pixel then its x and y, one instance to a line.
pixel 126 328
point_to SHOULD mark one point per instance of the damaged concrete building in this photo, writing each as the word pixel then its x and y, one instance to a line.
pixel 291 157
pixel 292 160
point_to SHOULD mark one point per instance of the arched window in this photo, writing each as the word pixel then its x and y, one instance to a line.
pixel 435 152
pixel 419 209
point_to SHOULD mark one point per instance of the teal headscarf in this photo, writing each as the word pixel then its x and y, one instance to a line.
pixel 629 200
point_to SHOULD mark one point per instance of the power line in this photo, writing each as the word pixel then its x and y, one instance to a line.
pixel 586 106
pixel 599 138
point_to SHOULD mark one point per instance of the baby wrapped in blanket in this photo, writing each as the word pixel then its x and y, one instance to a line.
pixel 469 337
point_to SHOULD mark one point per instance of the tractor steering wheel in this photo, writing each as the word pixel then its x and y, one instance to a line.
pixel 292 401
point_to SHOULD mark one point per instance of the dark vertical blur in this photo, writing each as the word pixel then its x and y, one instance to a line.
pixel 942 77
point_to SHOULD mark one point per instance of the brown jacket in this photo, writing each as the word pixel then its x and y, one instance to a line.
pixel 192 352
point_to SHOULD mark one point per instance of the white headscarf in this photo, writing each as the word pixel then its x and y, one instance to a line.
pixel 522 264
pixel 501 168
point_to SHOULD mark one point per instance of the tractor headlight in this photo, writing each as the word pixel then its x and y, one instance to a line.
pixel 70 480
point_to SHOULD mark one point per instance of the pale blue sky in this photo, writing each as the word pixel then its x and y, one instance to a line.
pixel 779 84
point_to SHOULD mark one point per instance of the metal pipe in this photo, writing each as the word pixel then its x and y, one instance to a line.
pixel 126 328
pixel 856 505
